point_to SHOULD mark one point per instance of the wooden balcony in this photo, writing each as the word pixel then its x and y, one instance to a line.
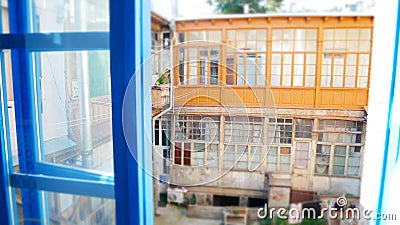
pixel 285 97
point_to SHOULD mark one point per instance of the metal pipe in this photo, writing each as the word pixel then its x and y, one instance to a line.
pixel 84 100
pixel 171 91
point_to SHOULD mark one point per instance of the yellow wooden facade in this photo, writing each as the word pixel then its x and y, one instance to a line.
pixel 323 91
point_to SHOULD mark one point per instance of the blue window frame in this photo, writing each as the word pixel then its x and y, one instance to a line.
pixel 128 46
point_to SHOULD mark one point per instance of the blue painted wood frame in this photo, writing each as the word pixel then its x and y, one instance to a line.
pixel 71 41
pixel 8 214
pixel 26 112
pixel 129 47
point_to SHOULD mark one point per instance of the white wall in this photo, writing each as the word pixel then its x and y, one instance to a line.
pixel 53 71
pixel 381 71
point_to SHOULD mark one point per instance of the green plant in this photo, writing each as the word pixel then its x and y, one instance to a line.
pixel 321 221
pixel 266 221
pixel 280 221
pixel 162 79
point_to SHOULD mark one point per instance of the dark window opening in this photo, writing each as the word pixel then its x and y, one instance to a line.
pixel 256 202
pixel 156 132
pixel 225 201
pixel 166 40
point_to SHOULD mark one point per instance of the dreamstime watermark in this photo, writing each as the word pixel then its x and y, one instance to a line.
pixel 338 211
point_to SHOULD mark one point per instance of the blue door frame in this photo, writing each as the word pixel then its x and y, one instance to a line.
pixel 129 45
pixel 129 48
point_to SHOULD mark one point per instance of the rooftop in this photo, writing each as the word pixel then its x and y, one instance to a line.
pixel 260 15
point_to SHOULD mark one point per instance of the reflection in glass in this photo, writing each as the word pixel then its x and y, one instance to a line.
pixel 72 16
pixel 76 109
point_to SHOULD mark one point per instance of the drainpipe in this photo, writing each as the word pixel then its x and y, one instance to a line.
pixel 171 96
pixel 84 99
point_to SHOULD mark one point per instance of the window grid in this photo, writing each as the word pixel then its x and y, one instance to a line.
pixel 345 57
pixel 345 61
pixel 244 130
pixel 304 128
pixel 279 159
pixel 294 57
pixel 202 67
pixel 242 157
pixel 283 131
pixel 204 154
pixel 342 141
pixel 251 64
pixel 198 128
pixel 211 35
pixel 302 154
pixel 279 144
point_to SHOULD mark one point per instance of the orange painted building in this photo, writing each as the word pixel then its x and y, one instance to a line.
pixel 268 106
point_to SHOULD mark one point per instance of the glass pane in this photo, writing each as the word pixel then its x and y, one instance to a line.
pixel 261 35
pixel 76 106
pixel 310 81
pixel 328 34
pixel 365 34
pixel 340 150
pixel 212 155
pixel 271 167
pixel 284 167
pixel 338 170
pixel 229 156
pixel 322 159
pixel 310 70
pixel 75 209
pixel 354 161
pixel 72 16
pixel 215 36
pixel 353 171
pixel 275 80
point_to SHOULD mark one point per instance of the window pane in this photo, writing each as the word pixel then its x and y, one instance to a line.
pixel 322 159
pixel 215 36
pixel 272 159
pixel 243 130
pixel 79 209
pixel 242 155
pixel 74 83
pixel 283 131
pixel 304 128
pixel 198 154
pixel 229 156
pixel 255 157
pixel 276 59
pixel 301 155
pixel 212 155
pixel 72 16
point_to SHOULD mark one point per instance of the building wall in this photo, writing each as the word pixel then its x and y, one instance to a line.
pixel 304 105
pixel 338 136
pixel 308 61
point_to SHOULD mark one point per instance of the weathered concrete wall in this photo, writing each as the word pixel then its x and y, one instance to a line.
pixel 279 196
pixel 336 185
pixel 233 179
pixel 206 212
pixel 189 176
pixel 243 179
pixel 216 212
